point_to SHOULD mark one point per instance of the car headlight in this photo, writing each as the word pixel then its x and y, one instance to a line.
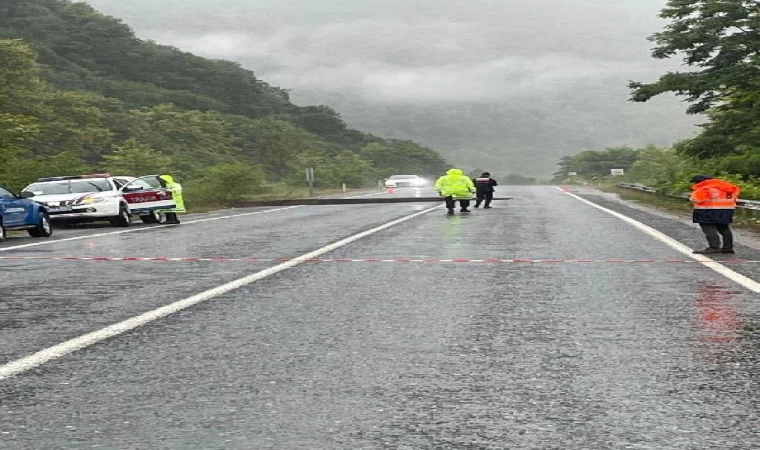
pixel 91 200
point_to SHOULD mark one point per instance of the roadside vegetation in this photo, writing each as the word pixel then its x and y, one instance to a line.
pixel 79 93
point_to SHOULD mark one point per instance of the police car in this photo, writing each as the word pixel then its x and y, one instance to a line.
pixel 406 181
pixel 101 197
pixel 17 213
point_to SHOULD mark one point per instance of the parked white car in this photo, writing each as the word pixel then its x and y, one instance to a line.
pixel 406 181
pixel 101 197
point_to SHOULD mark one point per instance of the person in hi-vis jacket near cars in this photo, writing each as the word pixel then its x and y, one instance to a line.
pixel 455 186
pixel 714 207
pixel 176 189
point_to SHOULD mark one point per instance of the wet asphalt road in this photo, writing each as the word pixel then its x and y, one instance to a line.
pixel 368 355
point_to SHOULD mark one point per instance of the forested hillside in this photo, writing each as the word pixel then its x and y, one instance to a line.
pixel 79 92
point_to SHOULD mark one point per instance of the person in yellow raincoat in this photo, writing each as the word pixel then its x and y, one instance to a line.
pixel 455 186
pixel 176 190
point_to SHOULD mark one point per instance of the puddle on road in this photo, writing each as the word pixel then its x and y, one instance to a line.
pixel 718 314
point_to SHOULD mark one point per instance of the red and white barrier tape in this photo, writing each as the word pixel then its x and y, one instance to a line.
pixel 375 260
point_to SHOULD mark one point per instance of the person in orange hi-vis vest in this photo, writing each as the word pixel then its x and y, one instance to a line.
pixel 714 207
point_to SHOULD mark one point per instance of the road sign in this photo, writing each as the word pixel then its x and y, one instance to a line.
pixel 617 171
pixel 572 174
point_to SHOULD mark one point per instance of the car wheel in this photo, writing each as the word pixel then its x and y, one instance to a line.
pixel 124 219
pixel 3 235
pixel 43 229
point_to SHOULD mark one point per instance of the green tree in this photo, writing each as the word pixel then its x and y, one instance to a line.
pixel 18 172
pixel 193 139
pixel 18 75
pixel 600 163
pixel 18 87
pixel 349 168
pixel 16 131
pixel 661 168
pixel 134 158
pixel 70 122
pixel 720 38
pixel 225 183
pixel 280 147
pixel 391 157
pixel 566 165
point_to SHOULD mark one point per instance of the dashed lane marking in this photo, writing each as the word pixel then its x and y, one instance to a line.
pixel 190 259
pixel 22 365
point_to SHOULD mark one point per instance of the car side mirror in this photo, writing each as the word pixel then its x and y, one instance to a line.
pixel 26 194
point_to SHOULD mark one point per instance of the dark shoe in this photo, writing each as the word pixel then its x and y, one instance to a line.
pixel 708 251
pixel 450 212
pixel 478 206
pixel 488 207
pixel 728 251
pixel 465 211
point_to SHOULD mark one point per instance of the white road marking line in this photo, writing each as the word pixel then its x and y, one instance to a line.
pixel 155 227
pixel 736 277
pixel 367 195
pixel 135 230
pixel 21 365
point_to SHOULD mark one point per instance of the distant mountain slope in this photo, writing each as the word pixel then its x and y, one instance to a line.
pixel 526 136
pixel 93 52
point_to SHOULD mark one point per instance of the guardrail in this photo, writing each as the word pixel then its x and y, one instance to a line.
pixel 743 204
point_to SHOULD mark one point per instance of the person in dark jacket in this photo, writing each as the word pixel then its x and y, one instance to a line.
pixel 484 189
pixel 714 206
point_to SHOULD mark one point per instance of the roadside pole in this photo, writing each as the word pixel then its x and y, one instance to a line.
pixel 344 187
pixel 310 180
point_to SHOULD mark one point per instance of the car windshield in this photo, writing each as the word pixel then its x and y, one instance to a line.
pixel 69 187
pixel 403 177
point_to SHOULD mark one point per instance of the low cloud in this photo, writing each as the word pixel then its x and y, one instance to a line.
pixel 395 61
pixel 496 75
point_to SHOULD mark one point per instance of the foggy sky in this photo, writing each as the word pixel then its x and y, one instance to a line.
pixel 414 52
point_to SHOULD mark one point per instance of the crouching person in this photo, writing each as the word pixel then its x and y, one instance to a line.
pixel 453 187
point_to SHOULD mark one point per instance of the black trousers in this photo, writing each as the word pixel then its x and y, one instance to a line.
pixel 714 231
pixel 484 196
pixel 451 203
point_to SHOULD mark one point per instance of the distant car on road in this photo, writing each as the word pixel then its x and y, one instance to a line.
pixel 406 181
pixel 101 197
pixel 17 213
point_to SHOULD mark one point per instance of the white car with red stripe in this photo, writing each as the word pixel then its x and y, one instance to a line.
pixel 101 197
